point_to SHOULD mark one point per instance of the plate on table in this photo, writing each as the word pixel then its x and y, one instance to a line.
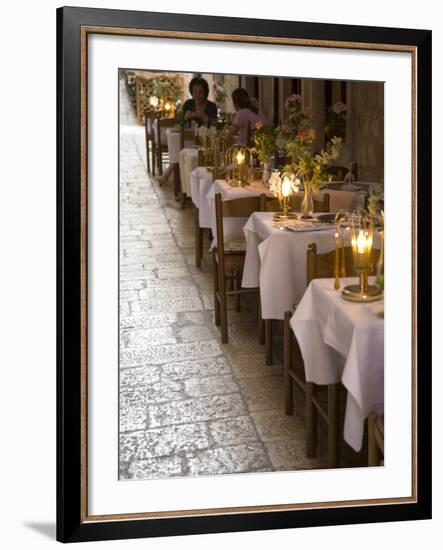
pixel 326 218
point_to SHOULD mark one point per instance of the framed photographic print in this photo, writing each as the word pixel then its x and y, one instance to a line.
pixel 239 202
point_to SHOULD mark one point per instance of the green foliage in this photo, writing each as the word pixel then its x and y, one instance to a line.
pixel 311 168
pixel 335 121
pixel 265 142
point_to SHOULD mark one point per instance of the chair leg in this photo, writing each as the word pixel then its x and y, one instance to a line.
pixel 153 157
pixel 287 364
pixel 198 241
pixel 311 421
pixel 177 185
pixel 268 342
pixel 160 161
pixel 148 163
pixel 261 325
pixel 216 291
pixel 223 305
pixel 237 285
pixel 333 425
pixel 374 454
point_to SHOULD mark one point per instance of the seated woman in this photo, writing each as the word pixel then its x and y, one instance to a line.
pixel 198 109
pixel 246 116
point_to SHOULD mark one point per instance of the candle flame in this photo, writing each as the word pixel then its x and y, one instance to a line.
pixel 240 157
pixel 363 243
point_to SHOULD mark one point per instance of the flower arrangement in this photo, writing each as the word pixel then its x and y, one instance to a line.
pixel 297 121
pixel 164 89
pixel 283 184
pixel 297 117
pixel 219 93
pixel 265 141
pixel 310 167
pixel 376 200
pixel 335 121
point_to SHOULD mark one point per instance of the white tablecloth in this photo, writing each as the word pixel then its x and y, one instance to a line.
pixel 173 140
pixel 200 183
pixel 188 159
pixel 276 261
pixel 343 341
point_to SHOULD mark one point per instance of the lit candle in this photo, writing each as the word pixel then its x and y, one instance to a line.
pixel 337 261
pixel 153 101
pixel 240 157
pixel 285 187
pixel 285 191
pixel 343 256
pixel 240 161
pixel 362 246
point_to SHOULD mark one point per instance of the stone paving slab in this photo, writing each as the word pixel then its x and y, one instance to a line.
pixel 227 460
pixel 165 441
pixel 196 410
pixel 160 354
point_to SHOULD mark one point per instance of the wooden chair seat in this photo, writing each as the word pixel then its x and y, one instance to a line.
pixel 159 146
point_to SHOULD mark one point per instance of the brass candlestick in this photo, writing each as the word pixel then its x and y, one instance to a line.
pixel 362 237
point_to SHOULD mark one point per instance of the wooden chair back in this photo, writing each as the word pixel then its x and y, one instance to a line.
pixel 237 208
pixel 163 123
pixel 270 204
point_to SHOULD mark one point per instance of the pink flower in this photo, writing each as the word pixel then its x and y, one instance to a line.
pixel 338 107
pixel 258 125
pixel 306 134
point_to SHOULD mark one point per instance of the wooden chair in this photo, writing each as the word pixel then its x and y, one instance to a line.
pixel 376 435
pixel 160 145
pixel 149 140
pixel 317 266
pixel 269 204
pixel 228 259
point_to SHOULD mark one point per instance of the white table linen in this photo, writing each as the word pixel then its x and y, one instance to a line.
pixel 343 341
pixel 188 159
pixel 173 140
pixel 200 183
pixel 276 261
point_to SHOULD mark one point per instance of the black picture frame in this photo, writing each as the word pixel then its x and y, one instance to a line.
pixel 72 520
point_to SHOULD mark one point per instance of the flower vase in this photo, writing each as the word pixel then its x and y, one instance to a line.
pixel 266 173
pixel 307 204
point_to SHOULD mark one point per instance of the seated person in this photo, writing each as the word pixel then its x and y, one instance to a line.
pixel 246 116
pixel 199 108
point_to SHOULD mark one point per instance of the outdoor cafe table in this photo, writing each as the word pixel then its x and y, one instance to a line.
pixel 200 182
pixel 339 199
pixel 276 261
pixel 342 341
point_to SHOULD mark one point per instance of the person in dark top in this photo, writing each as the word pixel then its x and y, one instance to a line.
pixel 199 108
